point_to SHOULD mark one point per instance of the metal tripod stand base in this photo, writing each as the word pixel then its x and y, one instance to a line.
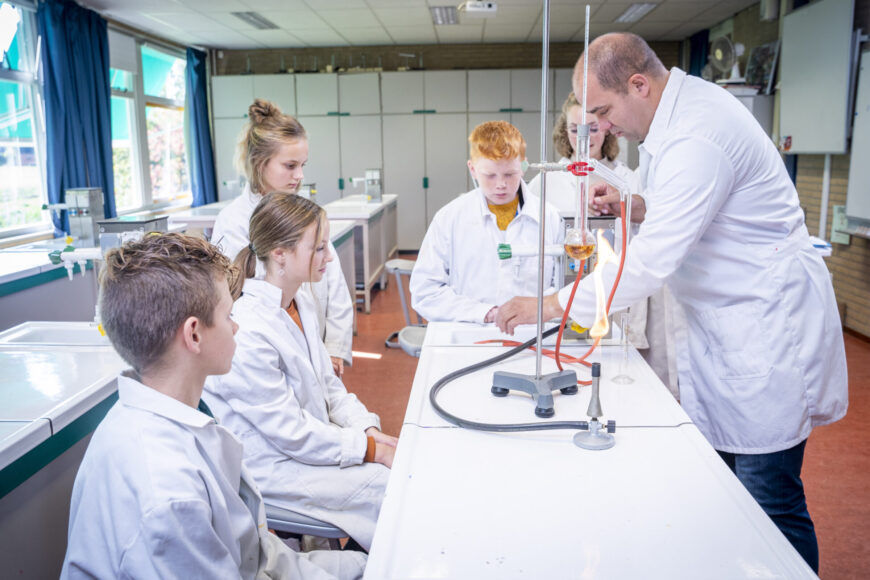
pixel 594 439
pixel 541 389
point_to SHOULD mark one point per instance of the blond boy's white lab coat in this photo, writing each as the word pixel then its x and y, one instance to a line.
pixel 162 493
pixel 333 300
pixel 765 357
pixel 303 433
pixel 458 275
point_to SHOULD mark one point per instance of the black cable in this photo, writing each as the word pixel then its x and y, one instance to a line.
pixel 498 427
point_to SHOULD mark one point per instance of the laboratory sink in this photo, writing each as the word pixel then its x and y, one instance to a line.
pixel 55 333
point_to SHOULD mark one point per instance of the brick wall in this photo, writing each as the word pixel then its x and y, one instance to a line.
pixel 434 57
pixel 850 264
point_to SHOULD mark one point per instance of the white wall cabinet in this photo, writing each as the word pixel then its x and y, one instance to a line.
pixel 404 170
pixel 360 142
pixel 316 94
pixel 323 166
pixel 413 124
pixel 445 91
pixel 446 157
pixel 227 133
pixel 401 92
pixel 359 94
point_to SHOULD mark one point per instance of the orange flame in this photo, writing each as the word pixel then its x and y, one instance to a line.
pixel 605 256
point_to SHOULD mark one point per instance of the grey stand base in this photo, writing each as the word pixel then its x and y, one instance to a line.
pixel 541 389
pixel 596 439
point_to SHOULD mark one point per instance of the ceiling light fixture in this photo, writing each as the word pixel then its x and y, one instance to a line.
pixel 636 11
pixel 442 15
pixel 256 20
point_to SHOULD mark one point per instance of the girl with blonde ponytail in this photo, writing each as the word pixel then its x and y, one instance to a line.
pixel 272 153
pixel 311 446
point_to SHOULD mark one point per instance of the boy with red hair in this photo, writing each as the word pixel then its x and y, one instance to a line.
pixel 458 275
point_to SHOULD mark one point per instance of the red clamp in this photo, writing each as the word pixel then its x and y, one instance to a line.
pixel 580 168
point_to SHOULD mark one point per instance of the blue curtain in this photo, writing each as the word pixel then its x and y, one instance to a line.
pixel 77 96
pixel 698 45
pixel 201 161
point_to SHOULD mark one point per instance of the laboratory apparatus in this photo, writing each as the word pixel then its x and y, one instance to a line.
pixel 584 245
pixel 308 191
pixel 83 206
pixel 374 184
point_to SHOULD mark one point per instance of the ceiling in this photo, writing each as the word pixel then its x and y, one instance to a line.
pixel 303 23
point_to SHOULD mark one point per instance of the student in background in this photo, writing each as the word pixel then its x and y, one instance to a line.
pixel 273 151
pixel 458 275
pixel 313 447
pixel 162 491
pixel 603 146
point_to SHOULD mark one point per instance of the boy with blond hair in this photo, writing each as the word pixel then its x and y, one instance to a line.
pixel 162 491
pixel 458 275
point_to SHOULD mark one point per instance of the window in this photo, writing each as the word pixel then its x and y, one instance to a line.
pixel 164 87
pixel 149 156
pixel 21 176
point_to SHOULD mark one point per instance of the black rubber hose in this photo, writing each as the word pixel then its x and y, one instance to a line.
pixel 499 427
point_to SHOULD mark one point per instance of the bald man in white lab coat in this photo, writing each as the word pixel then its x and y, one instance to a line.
pixel 722 227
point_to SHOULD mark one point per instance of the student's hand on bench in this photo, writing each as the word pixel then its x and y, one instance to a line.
pixel 382 438
pixel 384 454
pixel 491 315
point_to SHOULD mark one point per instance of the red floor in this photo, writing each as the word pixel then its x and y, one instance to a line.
pixel 836 465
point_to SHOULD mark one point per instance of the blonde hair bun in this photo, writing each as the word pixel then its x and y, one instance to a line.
pixel 261 109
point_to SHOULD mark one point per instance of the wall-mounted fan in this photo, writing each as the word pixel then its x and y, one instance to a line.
pixel 723 58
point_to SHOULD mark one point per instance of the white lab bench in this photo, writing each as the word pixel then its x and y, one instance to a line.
pixel 377 241
pixel 342 234
pixel 471 504
pixel 32 288
pixel 52 396
pixel 201 218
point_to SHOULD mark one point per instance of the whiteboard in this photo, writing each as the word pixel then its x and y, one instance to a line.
pixel 858 196
pixel 814 76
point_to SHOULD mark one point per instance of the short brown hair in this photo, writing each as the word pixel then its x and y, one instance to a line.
pixel 267 130
pixel 149 287
pixel 497 140
pixel 616 56
pixel 278 221
pixel 562 143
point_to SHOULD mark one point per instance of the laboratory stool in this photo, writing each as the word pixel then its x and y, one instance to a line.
pixel 411 337
pixel 287 523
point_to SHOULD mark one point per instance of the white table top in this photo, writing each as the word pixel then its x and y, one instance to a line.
pixel 19 437
pixel 338 228
pixel 55 383
pixel 660 504
pixel 471 504
pixel 17 265
pixel 357 208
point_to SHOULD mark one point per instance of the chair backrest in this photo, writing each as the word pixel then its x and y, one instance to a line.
pixel 290 522
pixel 399 268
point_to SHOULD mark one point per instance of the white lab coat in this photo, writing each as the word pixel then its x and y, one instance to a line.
pixel 765 358
pixel 304 434
pixel 332 297
pixel 458 275
pixel 652 322
pixel 162 493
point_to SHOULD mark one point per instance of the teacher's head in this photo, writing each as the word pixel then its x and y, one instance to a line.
pixel 625 85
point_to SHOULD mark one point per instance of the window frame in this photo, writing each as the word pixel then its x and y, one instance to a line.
pixel 143 103
pixel 32 79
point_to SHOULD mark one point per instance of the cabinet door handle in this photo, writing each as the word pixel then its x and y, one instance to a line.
pixel 425 183
pixel 424 111
pixel 341 183
pixel 509 110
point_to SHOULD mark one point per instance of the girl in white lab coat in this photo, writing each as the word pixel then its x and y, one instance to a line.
pixel 311 446
pixel 652 322
pixel 273 151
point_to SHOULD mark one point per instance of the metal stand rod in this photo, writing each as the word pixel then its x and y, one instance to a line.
pixel 545 67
